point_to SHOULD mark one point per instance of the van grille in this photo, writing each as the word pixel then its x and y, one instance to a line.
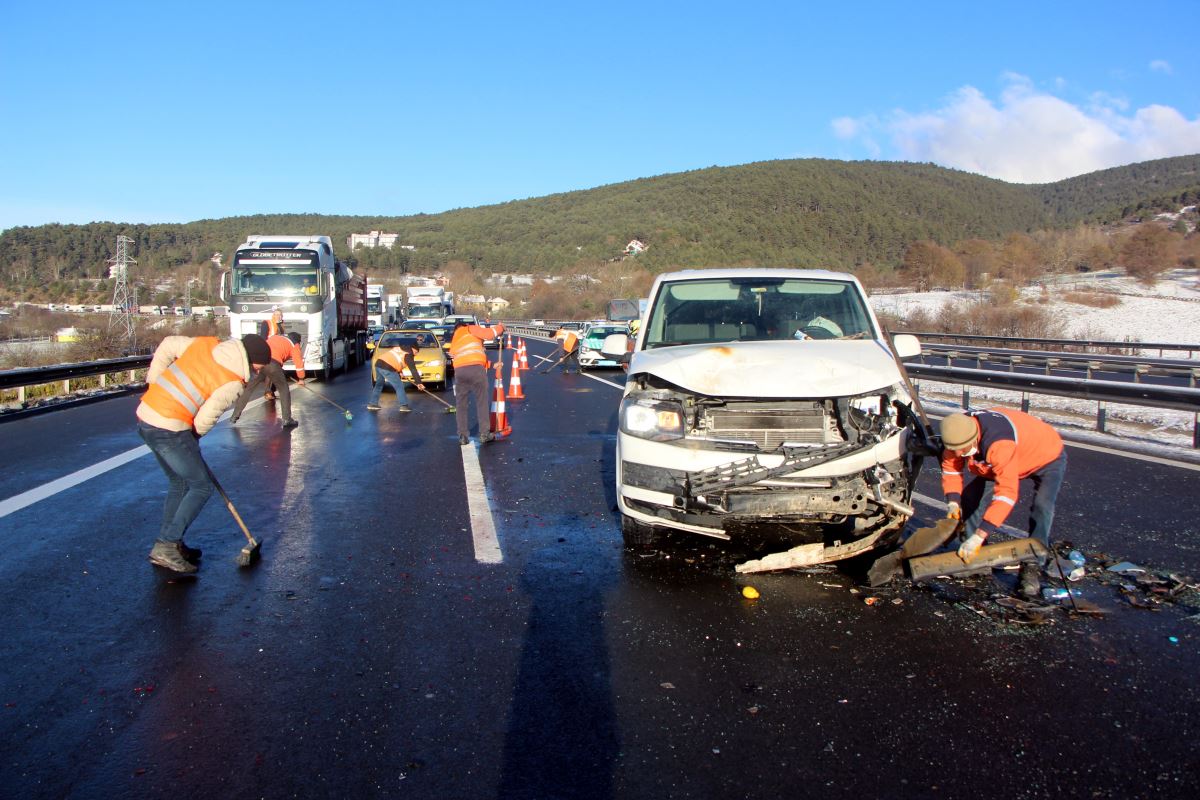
pixel 767 429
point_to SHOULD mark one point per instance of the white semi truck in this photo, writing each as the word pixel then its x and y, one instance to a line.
pixel 321 298
pixel 379 312
pixel 429 302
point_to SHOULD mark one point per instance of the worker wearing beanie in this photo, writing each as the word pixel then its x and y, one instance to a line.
pixel 1000 448
pixel 191 381
pixel 470 376
pixel 283 349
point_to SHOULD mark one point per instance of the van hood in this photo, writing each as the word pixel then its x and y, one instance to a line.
pixel 802 369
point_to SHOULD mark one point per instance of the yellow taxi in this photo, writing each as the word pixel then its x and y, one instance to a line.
pixel 432 363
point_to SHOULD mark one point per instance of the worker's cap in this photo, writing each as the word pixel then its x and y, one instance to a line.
pixel 257 351
pixel 295 337
pixel 959 431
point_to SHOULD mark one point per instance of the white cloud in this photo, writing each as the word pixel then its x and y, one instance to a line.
pixel 1027 135
pixel 1158 65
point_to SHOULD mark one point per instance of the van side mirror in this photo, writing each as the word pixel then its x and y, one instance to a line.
pixel 616 347
pixel 906 345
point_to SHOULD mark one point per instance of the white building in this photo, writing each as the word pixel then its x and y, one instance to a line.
pixel 635 246
pixel 376 239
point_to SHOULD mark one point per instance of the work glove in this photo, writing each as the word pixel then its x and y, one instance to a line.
pixel 953 510
pixel 970 548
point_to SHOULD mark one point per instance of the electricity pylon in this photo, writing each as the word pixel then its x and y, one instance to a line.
pixel 121 318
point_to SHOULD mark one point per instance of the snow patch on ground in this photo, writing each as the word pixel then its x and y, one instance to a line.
pixel 1167 312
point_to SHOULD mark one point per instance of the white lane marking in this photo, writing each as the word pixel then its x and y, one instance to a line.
pixel 20 501
pixel 603 380
pixel 483 527
pixel 1138 456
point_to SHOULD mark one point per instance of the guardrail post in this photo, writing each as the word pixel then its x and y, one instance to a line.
pixel 1025 402
pixel 67 386
pixel 966 399
pixel 21 395
pixel 1196 430
pixel 131 375
pixel 1101 412
pixel 103 381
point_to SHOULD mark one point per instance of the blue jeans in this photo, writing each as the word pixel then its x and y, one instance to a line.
pixel 977 496
pixel 188 483
pixel 388 376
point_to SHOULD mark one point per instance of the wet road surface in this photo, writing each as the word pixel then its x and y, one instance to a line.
pixel 370 654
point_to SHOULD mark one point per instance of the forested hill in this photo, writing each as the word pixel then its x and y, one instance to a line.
pixel 809 213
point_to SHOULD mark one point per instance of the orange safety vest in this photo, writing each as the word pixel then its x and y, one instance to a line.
pixel 394 357
pixel 189 381
pixel 568 339
pixel 274 327
pixel 282 349
pixel 466 349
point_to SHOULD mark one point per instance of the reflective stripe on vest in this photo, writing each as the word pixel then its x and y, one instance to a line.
pixel 395 359
pixel 186 384
pixel 466 349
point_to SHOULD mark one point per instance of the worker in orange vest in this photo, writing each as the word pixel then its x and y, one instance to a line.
pixel 470 376
pixel 391 367
pixel 283 349
pixel 190 383
pixel 1000 448
pixel 569 342
pixel 275 323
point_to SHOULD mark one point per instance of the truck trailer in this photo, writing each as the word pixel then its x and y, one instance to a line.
pixel 320 297
pixel 429 302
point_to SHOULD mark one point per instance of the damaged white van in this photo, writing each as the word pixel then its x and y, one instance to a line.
pixel 766 397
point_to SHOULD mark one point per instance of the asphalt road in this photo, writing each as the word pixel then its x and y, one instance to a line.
pixel 372 654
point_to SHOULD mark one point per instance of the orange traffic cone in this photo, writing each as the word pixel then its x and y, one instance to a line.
pixel 514 381
pixel 499 414
pixel 524 357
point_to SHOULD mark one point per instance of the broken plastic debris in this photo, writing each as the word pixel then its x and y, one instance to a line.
pixel 870 600
pixel 667 685
pixel 1126 566
pixel 750 593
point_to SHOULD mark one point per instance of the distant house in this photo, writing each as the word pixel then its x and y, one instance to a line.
pixel 497 304
pixel 635 247
pixel 376 239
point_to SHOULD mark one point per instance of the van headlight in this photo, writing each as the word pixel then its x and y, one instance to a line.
pixel 656 420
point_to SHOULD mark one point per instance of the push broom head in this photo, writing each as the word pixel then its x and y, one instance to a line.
pixel 249 553
pixel 348 416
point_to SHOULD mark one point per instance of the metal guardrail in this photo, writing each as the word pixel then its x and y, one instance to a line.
pixel 1136 366
pixel 1181 398
pixel 1094 343
pixel 21 379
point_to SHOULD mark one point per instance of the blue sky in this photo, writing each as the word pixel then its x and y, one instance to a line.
pixel 165 112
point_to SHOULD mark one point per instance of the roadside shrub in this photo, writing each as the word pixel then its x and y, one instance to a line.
pixel 1093 299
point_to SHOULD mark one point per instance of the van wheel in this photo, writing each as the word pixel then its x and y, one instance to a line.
pixel 638 535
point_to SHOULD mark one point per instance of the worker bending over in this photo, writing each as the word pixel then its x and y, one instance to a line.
pixel 283 349
pixel 569 342
pixel 470 376
pixel 1000 448
pixel 190 383
pixel 390 367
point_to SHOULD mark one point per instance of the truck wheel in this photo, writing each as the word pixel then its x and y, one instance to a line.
pixel 638 535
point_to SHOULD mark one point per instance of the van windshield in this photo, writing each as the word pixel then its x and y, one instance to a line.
pixel 756 309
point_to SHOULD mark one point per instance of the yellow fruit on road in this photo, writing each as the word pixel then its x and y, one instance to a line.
pixel 750 593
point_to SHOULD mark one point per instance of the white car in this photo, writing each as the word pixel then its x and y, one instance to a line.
pixel 591 342
pixel 765 401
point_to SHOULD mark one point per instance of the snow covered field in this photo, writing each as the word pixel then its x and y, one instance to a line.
pixel 1169 311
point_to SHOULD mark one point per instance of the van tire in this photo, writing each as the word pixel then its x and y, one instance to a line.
pixel 638 535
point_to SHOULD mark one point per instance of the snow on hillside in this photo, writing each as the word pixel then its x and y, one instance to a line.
pixel 1169 311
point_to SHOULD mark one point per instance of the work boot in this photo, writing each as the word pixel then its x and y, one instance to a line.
pixel 269 396
pixel 291 423
pixel 233 420
pixel 487 437
pixel 463 439
pixel 1028 584
pixel 373 406
pixel 404 410
pixel 169 555
pixel 192 554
